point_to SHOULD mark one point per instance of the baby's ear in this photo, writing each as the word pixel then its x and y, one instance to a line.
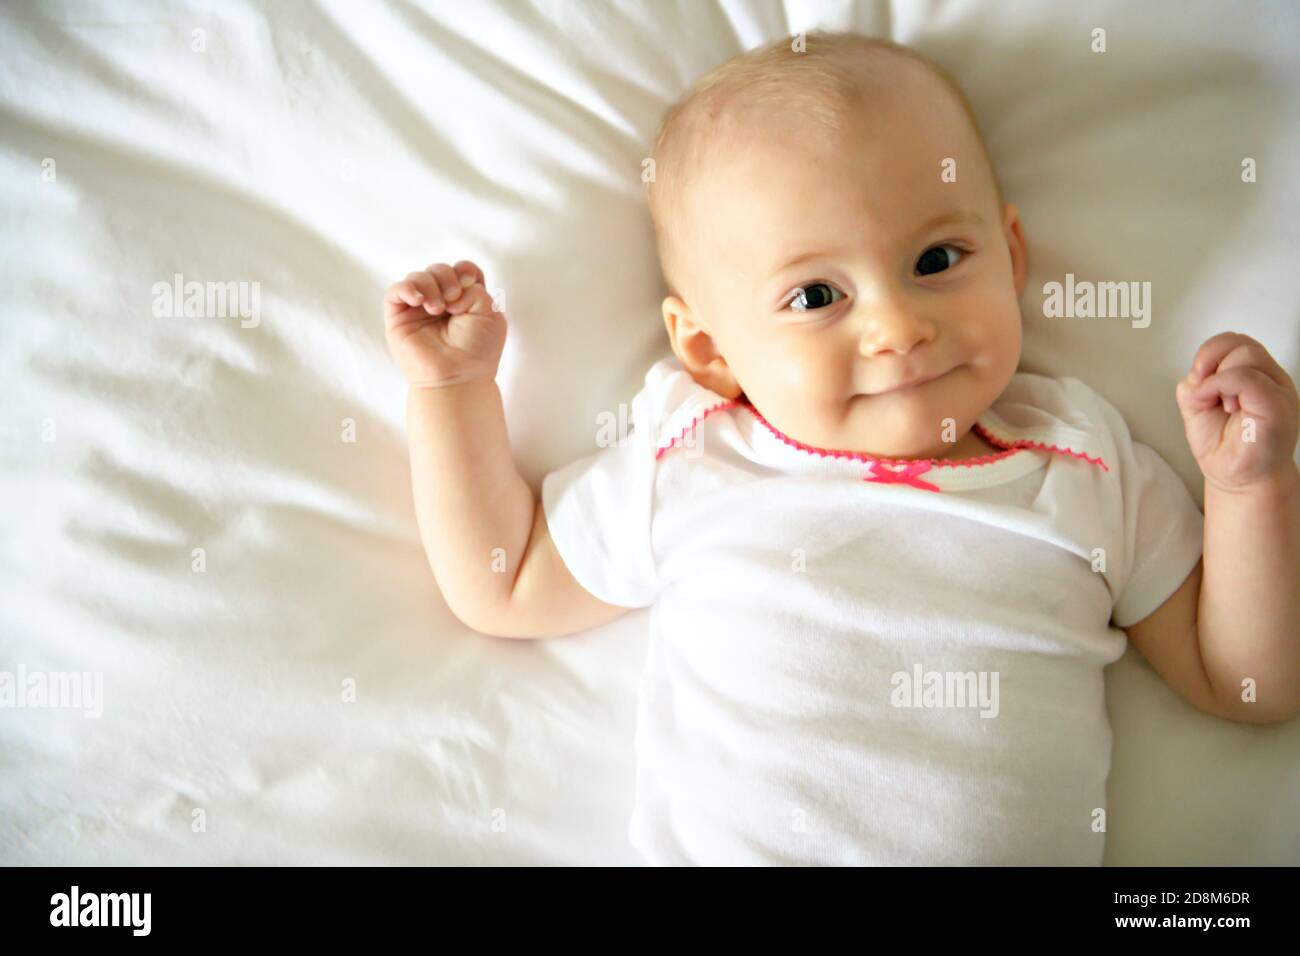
pixel 695 347
pixel 672 308
pixel 717 377
pixel 1016 245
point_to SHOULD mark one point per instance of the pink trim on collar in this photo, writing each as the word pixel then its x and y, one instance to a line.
pixel 1026 443
pixel 695 421
pixel 871 459
pixel 912 467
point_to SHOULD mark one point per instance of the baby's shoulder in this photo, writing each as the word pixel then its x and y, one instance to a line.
pixel 671 404
pixel 1065 403
pixel 1059 413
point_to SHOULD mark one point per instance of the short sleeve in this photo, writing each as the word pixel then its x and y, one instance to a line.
pixel 1162 533
pixel 599 508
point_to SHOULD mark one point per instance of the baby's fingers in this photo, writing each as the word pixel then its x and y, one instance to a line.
pixel 402 296
pixel 1230 350
pixel 448 284
pixel 1213 351
pixel 476 299
pixel 469 273
pixel 1243 387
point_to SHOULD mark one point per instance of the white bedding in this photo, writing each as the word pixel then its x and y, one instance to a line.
pixel 321 151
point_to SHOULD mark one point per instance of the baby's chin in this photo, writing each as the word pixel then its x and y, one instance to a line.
pixel 912 424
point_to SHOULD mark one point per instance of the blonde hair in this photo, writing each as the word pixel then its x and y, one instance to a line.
pixel 820 77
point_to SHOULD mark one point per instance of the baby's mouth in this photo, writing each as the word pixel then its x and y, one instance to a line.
pixel 909 384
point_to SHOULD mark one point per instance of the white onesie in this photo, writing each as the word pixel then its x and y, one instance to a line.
pixel 855 662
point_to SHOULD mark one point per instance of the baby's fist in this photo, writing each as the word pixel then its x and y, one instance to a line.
pixel 442 328
pixel 1241 413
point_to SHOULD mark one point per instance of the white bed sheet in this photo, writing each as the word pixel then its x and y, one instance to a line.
pixel 323 150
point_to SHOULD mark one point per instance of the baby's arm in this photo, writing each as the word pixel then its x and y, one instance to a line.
pixel 483 529
pixel 1237 616
pixel 1242 414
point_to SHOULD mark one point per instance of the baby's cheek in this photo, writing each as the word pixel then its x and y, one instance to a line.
pixel 1009 331
pixel 793 380
pixel 998 347
pixel 992 318
pixel 773 364
pixel 816 374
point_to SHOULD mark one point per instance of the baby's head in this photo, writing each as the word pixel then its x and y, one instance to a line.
pixel 818 254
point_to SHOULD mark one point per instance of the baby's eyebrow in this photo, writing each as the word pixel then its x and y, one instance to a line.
pixel 951 218
pixel 805 257
pixel 943 219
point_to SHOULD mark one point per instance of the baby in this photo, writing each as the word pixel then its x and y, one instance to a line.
pixel 857 522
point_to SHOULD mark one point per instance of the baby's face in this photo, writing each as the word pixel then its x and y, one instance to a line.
pixel 827 271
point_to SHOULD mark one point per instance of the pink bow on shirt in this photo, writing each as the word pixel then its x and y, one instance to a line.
pixel 905 475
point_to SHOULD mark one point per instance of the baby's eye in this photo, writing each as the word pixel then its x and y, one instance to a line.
pixel 813 297
pixel 937 260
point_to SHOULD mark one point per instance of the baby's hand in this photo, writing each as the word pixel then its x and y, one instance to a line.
pixel 1241 413
pixel 441 326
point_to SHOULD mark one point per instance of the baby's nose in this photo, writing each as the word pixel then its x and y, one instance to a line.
pixel 894 329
